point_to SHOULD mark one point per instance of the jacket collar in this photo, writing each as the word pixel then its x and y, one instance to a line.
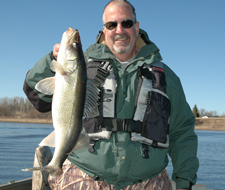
pixel 100 49
pixel 142 39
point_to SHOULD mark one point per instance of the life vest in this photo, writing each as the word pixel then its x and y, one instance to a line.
pixel 150 122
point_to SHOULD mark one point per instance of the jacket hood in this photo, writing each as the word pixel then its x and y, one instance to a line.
pixel 144 46
pixel 142 40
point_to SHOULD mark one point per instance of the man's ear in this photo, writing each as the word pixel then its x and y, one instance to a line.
pixel 137 28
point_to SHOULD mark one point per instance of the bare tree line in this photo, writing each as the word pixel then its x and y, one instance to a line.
pixel 202 112
pixel 20 107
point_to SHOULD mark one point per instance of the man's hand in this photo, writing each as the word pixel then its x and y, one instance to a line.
pixel 56 50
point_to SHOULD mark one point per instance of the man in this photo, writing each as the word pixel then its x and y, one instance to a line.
pixel 143 112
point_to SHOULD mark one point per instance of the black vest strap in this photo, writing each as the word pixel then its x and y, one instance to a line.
pixel 126 125
pixel 102 72
pixel 145 151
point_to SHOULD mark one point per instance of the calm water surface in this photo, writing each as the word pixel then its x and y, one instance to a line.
pixel 18 142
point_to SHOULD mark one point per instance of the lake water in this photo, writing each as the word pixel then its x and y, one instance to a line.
pixel 18 142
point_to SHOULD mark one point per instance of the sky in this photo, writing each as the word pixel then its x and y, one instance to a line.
pixel 190 35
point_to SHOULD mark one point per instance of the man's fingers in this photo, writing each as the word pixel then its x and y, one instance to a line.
pixel 56 50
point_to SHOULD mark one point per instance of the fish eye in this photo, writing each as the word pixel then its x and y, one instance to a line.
pixel 74 45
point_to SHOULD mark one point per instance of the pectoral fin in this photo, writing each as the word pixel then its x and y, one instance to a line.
pixel 57 67
pixel 46 86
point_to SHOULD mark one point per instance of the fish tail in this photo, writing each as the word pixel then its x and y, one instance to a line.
pixel 54 171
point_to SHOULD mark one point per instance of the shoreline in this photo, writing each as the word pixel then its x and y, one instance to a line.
pixel 209 128
pixel 213 124
pixel 26 120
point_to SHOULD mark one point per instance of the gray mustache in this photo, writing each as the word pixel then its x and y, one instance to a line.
pixel 120 36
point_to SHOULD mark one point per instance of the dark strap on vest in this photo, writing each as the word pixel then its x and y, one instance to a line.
pixel 126 125
pixel 102 72
pixel 91 145
pixel 145 151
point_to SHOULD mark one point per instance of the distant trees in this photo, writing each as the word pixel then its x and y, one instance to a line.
pixel 195 111
pixel 203 112
pixel 22 108
pixel 18 107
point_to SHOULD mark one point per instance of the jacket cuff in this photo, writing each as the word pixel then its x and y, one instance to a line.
pixel 53 57
pixel 183 184
pixel 35 100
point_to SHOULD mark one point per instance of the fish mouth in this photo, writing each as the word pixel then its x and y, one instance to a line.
pixel 73 36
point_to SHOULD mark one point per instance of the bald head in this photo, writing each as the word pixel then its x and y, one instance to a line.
pixel 122 4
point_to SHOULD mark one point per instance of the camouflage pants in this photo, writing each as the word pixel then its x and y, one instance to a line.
pixel 74 179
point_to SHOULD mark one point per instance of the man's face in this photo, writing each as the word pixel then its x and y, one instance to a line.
pixel 121 41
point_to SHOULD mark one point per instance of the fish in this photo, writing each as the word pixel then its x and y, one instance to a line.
pixel 68 88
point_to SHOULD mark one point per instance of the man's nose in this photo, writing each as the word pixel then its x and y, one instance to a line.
pixel 119 29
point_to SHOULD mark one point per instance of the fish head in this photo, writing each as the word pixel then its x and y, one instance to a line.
pixel 70 50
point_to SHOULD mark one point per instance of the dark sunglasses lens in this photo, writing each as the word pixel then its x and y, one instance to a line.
pixel 127 23
pixel 111 25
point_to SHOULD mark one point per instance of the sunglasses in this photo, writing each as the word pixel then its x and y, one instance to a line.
pixel 111 25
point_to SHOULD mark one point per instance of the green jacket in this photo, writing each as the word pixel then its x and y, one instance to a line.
pixel 119 160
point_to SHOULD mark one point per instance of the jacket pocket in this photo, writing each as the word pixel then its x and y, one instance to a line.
pixel 156 119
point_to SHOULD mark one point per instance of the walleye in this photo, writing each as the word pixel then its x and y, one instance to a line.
pixel 68 88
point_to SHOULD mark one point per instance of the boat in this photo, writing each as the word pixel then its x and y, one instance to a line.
pixel 25 184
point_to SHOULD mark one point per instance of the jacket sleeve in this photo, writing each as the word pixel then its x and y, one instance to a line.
pixel 41 70
pixel 183 140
